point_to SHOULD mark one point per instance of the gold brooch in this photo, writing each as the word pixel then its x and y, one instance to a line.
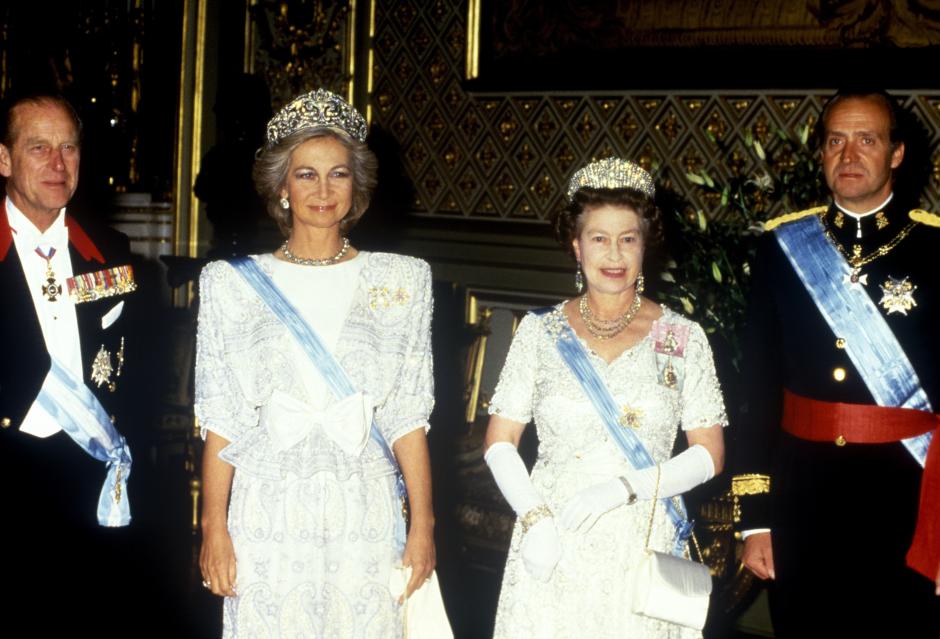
pixel 384 298
pixel 631 417
pixel 839 219
pixel 898 295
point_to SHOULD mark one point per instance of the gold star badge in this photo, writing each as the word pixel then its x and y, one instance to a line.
pixel 897 295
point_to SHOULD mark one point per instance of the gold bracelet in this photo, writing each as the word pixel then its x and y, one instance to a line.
pixel 534 516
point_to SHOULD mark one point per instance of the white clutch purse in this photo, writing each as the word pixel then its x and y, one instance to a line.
pixel 424 614
pixel 671 588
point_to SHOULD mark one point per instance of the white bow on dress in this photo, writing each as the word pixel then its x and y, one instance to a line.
pixel 347 422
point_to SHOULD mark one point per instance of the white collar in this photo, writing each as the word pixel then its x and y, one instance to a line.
pixel 858 216
pixel 25 230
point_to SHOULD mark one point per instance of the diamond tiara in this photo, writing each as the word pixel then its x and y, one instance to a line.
pixel 612 173
pixel 319 108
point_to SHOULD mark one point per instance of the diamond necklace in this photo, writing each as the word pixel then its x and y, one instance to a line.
pixel 306 261
pixel 606 329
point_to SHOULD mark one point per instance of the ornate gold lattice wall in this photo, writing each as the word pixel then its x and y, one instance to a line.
pixel 507 157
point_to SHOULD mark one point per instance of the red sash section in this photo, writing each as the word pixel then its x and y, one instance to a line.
pixel 818 421
pixel 924 553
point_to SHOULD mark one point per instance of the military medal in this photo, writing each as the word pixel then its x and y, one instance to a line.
pixel 101 368
pixel 88 287
pixel 897 295
pixel 856 260
pixel 51 289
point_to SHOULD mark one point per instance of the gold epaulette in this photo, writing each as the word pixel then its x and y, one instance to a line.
pixel 750 485
pixel 773 223
pixel 925 217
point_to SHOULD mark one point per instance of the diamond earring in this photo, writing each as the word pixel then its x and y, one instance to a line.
pixel 579 279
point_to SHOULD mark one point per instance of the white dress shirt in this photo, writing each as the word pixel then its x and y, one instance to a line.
pixel 57 319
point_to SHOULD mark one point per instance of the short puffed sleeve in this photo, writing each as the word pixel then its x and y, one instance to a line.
pixel 220 403
pixel 515 391
pixel 411 400
pixel 702 402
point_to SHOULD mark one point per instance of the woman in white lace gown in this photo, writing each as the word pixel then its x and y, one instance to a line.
pixel 300 511
pixel 585 511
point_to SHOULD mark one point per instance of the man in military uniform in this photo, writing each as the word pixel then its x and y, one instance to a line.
pixel 841 369
pixel 68 296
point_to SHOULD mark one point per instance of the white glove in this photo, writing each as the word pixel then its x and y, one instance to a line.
pixel 683 472
pixel 584 509
pixel 541 549
pixel 512 477
pixel 680 474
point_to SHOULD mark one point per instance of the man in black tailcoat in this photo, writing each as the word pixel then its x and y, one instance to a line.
pixel 828 497
pixel 68 295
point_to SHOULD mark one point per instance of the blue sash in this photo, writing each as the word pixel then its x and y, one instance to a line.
pixel 333 374
pixel 76 409
pixel 576 358
pixel 851 314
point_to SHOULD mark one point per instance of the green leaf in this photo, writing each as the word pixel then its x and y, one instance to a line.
pixel 694 179
pixel 759 150
pixel 687 305
pixel 724 195
pixel 716 272
pixel 804 134
pixel 702 220
pixel 666 276
pixel 708 180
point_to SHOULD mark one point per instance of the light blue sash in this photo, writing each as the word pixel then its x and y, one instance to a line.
pixel 76 409
pixel 333 374
pixel 851 314
pixel 576 358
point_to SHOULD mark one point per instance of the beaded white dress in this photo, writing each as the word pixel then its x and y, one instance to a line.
pixel 587 595
pixel 313 524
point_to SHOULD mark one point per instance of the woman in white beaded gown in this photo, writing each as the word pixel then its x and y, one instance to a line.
pixel 302 520
pixel 584 513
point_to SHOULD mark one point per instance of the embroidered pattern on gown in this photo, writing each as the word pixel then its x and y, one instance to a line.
pixel 587 593
pixel 313 526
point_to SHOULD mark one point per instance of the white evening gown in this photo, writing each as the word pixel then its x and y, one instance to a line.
pixel 587 593
pixel 312 525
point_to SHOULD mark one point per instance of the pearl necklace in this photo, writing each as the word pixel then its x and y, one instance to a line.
pixel 306 261
pixel 607 329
